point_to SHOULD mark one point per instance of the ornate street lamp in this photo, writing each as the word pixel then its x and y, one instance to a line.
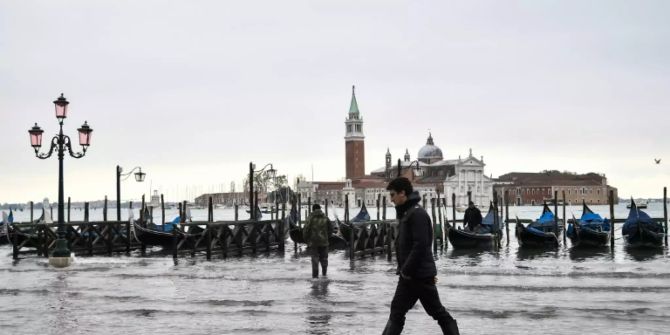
pixel 418 171
pixel 60 257
pixel 271 173
pixel 139 177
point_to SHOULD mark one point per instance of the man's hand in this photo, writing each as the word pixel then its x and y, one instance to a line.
pixel 435 280
pixel 404 276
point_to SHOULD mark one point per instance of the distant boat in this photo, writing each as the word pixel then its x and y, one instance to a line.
pixel 641 205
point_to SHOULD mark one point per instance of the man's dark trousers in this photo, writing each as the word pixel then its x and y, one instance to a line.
pixel 319 255
pixel 408 292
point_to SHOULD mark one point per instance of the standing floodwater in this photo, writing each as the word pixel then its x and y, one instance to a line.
pixel 504 292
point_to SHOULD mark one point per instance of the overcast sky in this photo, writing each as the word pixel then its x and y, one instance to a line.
pixel 194 90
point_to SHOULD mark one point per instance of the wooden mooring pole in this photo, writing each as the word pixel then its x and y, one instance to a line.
pixel 351 236
pixel 432 213
pixel 556 215
pixel 162 213
pixel 68 209
pixel 439 219
pixel 210 220
pixel 507 215
pixel 282 240
pixel 143 246
pixel 389 232
pixel 104 210
pixel 612 230
pixel 453 209
pixel 445 233
pixel 565 219
pixel 665 213
pixel 90 237
pixel 293 206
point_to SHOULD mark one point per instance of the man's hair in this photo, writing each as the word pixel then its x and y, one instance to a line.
pixel 400 184
pixel 316 206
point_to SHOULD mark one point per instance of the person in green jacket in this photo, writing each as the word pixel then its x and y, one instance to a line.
pixel 316 232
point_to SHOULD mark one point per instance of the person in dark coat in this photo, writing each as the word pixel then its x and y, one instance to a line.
pixel 316 232
pixel 416 267
pixel 472 218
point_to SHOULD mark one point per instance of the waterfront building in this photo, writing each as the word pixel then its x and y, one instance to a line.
pixel 226 199
pixel 443 176
pixel 527 188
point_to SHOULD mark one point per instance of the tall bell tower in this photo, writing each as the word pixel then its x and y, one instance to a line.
pixel 354 140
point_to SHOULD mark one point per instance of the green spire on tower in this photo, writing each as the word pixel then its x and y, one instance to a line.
pixel 353 109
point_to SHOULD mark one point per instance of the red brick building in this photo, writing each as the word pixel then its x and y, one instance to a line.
pixel 526 188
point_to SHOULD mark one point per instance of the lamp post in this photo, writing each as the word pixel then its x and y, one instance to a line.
pixel 417 169
pixel 139 177
pixel 270 173
pixel 60 143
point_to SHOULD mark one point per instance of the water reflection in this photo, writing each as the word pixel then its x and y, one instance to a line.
pixel 470 257
pixel 319 309
pixel 524 254
pixel 644 254
pixel 582 254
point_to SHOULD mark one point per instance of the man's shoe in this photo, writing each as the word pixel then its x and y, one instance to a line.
pixel 392 328
pixel 449 327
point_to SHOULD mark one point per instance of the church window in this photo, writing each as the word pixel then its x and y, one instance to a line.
pixel 348 128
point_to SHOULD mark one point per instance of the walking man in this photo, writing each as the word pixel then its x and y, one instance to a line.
pixel 416 267
pixel 316 232
pixel 472 218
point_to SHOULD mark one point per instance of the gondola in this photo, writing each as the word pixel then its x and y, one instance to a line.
pixel 641 231
pixel 543 233
pixel 163 235
pixel 28 236
pixel 591 230
pixel 488 234
pixel 345 228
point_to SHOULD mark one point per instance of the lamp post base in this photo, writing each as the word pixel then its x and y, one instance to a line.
pixel 60 257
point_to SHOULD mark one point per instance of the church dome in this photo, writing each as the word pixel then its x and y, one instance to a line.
pixel 430 153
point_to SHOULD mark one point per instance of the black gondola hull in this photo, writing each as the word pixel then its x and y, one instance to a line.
pixel 164 239
pixel 535 240
pixel 644 238
pixel 589 238
pixel 461 239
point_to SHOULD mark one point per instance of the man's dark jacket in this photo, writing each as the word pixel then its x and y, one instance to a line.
pixel 472 217
pixel 415 236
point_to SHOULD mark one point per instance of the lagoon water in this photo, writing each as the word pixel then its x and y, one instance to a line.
pixel 490 292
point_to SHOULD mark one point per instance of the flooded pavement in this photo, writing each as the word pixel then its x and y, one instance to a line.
pixel 508 291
